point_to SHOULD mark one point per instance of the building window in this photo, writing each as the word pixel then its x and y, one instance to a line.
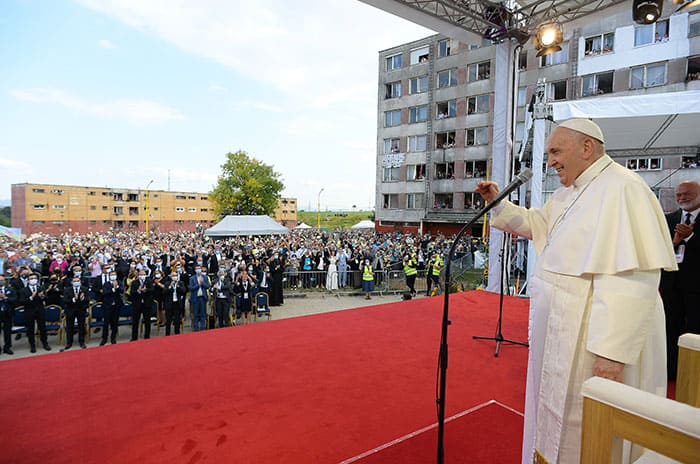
pixel 133 210
pixel 393 89
pixel 392 118
pixel 390 201
pixel 522 96
pixel 597 84
pixel 93 207
pixel 418 114
pixel 519 131
pixel 694 25
pixel 475 168
pixel 443 201
pixel 204 210
pixel 39 206
pixel 179 209
pixel 447 78
pixel 92 193
pixel 417 143
pixel 648 76
pixel 444 48
pixel 104 208
pixel 479 71
pixel 390 174
pixel 420 55
pixel 58 191
pixel 92 223
pixel 562 56
pixel 38 223
pixel 444 171
pixel 38 190
pixel 418 85
pixel 204 198
pixel 599 44
pixel 415 201
pixel 415 172
pixel 473 200
pixel 192 210
pixel 445 139
pixel 447 109
pixel 651 33
pixel 117 197
pixel 522 60
pixel 644 164
pixel 556 91
pixel 191 197
pixel 689 162
pixel 59 206
pixel 180 197
pixel 132 197
pixel 693 68
pixel 391 145
pixel 394 62
pixel 478 104
pixel 477 136
pixel 118 210
pixel 155 209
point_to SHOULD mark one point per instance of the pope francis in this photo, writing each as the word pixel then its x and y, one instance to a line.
pixel 601 241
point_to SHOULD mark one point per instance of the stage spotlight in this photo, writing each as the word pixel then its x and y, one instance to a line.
pixel 684 4
pixel 549 37
pixel 647 11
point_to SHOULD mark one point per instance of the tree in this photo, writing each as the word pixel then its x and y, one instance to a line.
pixel 5 216
pixel 246 186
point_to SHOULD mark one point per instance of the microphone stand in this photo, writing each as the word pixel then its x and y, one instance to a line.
pixel 442 357
pixel 498 338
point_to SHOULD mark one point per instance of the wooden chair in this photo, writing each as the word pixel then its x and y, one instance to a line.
pixel 688 374
pixel 659 424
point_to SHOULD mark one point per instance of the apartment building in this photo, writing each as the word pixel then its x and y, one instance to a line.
pixel 49 208
pixel 436 110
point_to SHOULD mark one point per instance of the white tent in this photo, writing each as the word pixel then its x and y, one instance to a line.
pixel 303 226
pixel 246 225
pixel 364 224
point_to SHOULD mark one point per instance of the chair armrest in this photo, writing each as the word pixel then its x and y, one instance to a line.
pixel 672 414
pixel 689 341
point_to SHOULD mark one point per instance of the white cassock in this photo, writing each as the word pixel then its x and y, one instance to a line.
pixel 601 245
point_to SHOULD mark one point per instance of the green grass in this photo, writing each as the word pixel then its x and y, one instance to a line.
pixel 334 219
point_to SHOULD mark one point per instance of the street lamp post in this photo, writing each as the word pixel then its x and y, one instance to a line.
pixel 147 212
pixel 319 209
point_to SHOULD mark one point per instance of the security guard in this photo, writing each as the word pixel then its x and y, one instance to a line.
pixel 410 265
pixel 436 264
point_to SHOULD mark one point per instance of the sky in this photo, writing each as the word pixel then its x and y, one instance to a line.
pixel 117 93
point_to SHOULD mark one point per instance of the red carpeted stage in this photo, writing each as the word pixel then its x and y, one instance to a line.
pixel 347 386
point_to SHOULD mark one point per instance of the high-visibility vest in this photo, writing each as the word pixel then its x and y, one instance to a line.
pixel 409 267
pixel 367 273
pixel 437 265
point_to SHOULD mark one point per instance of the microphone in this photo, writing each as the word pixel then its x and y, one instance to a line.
pixel 519 180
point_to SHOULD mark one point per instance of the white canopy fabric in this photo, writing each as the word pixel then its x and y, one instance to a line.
pixel 364 224
pixel 246 225
pixel 303 226
pixel 659 120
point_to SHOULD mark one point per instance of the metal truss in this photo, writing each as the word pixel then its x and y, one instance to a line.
pixel 509 19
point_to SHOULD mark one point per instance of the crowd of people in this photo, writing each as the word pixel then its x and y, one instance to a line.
pixel 215 279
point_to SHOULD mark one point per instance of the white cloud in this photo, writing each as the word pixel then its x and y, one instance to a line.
pixel 14 165
pixel 216 88
pixel 136 111
pixel 104 43
pixel 258 105
pixel 315 55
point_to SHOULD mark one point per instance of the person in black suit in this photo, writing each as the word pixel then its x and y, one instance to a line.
pixel 32 298
pixel 221 292
pixel 142 299
pixel 174 302
pixel 8 299
pixel 75 304
pixel 112 302
pixel 681 290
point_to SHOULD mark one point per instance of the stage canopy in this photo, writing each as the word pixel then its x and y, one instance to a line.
pixel 246 225
pixel 303 226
